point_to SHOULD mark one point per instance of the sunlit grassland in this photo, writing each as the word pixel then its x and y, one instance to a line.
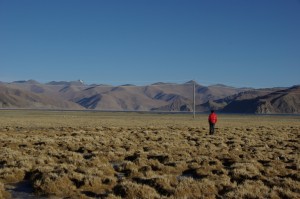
pixel 39 118
pixel 149 155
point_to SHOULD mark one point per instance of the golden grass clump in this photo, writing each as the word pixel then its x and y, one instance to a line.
pixel 129 189
pixel 3 193
pixel 53 184
pixel 279 192
pixel 190 188
pixel 95 184
pixel 243 171
pixel 250 189
pixel 12 175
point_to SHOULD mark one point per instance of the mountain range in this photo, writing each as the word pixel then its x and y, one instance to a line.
pixel 76 95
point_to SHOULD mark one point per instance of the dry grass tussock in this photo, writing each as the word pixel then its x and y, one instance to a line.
pixel 130 155
pixel 3 192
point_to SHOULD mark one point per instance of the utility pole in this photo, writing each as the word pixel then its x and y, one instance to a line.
pixel 194 99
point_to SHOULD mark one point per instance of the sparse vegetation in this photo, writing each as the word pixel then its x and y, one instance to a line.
pixel 138 155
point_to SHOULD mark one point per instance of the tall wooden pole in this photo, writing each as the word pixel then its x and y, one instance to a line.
pixel 194 99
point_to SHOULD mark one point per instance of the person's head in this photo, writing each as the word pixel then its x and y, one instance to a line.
pixel 212 111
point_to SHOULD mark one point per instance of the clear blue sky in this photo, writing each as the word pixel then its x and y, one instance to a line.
pixel 238 43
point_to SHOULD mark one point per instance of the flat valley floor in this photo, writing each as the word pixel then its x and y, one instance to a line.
pixel 69 154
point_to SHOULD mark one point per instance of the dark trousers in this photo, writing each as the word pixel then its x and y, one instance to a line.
pixel 211 128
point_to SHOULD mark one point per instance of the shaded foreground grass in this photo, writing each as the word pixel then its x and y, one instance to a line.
pixel 137 155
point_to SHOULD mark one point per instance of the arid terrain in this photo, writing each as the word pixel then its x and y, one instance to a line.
pixel 69 154
pixel 155 97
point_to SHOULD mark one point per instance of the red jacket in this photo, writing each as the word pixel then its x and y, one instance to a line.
pixel 212 118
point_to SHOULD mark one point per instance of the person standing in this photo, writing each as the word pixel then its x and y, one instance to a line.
pixel 212 120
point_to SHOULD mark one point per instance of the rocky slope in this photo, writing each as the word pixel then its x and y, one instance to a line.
pixel 280 101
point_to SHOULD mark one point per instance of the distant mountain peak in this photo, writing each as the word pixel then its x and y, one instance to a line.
pixel 81 81
pixel 161 83
pixel 128 85
pixel 296 87
pixel 192 82
pixel 31 81
pixel 66 83
pixel 221 85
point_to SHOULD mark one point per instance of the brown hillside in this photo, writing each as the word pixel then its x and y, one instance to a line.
pixel 244 95
pixel 281 101
pixel 122 98
pixel 17 98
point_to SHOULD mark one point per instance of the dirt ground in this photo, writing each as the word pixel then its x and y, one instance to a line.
pixel 66 154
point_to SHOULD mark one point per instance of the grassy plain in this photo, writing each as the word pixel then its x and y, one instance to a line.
pixel 137 155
